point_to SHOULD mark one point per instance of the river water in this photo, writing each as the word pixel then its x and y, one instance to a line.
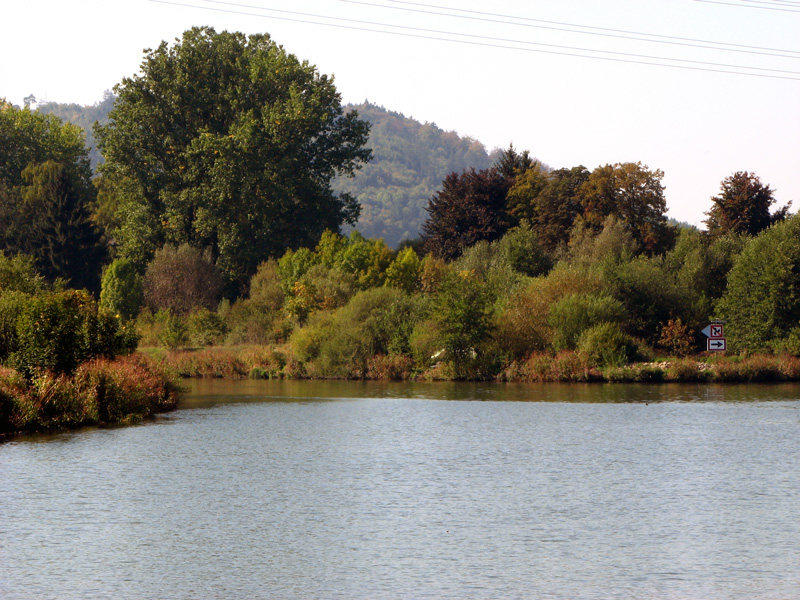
pixel 328 490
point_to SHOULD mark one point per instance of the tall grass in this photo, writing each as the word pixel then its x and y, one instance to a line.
pixel 101 391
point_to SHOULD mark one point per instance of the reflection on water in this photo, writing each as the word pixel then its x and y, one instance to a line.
pixel 291 489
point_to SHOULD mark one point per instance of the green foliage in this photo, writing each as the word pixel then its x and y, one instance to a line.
pixel 293 265
pixel 182 278
pixel 463 311
pixel 59 331
pixel 762 301
pixel 233 145
pixel 410 161
pixel 341 344
pixel 206 328
pixel 634 194
pixel 173 332
pixel 405 272
pixel 606 345
pixel 45 196
pixel 121 289
pixel 18 273
pixel 84 117
pixel 366 259
pixel 12 304
pixel 265 286
pixel 571 316
pixel 521 249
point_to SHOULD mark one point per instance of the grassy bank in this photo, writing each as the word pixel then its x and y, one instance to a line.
pixel 101 392
pixel 279 362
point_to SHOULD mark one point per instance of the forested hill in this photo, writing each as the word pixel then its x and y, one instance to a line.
pixel 83 116
pixel 410 161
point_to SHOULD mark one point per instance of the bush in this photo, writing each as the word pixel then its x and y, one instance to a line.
pixel 676 338
pixel 174 332
pixel 182 278
pixel 574 314
pixel 12 303
pixel 206 328
pixel 121 289
pixel 19 274
pixel 606 345
pixel 58 331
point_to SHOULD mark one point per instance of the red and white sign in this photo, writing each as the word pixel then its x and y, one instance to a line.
pixel 715 331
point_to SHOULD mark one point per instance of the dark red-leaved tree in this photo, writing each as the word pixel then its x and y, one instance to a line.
pixel 743 206
pixel 469 208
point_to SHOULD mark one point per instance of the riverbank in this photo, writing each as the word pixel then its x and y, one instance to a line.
pixel 101 392
pixel 256 362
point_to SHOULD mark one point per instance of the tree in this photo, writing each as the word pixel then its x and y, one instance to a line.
pixel 742 206
pixel 634 194
pixel 182 278
pixel 228 142
pixel 463 312
pixel 762 301
pixel 121 291
pixel 469 208
pixel 558 205
pixel 45 197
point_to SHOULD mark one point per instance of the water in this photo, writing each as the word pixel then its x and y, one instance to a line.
pixel 363 490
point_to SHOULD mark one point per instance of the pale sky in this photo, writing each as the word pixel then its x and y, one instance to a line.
pixel 511 83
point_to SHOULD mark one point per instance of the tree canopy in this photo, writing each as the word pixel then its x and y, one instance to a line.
pixel 228 142
pixel 45 196
pixel 742 206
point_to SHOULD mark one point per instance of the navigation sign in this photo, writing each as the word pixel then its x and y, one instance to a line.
pixel 713 331
pixel 717 344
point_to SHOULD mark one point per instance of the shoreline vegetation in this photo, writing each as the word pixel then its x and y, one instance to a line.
pixel 562 367
pixel 213 223
pixel 101 392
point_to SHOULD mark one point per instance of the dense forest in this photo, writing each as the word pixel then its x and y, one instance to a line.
pixel 261 212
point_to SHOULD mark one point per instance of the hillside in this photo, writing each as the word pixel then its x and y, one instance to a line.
pixel 410 161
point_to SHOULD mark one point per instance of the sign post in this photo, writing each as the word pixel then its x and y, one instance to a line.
pixel 716 337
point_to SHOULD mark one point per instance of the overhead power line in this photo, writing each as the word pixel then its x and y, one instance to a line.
pixel 592 30
pixel 761 4
pixel 487 41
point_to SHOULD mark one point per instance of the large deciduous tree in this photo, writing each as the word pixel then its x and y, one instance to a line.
pixel 45 196
pixel 228 142
pixel 742 206
pixel 634 194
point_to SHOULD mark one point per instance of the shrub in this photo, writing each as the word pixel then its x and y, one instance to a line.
pixel 59 331
pixel 265 287
pixel 574 314
pixel 463 311
pixel 206 328
pixel 19 274
pixel 182 278
pixel 676 338
pixel 121 289
pixel 606 345
pixel 12 303
pixel 174 332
